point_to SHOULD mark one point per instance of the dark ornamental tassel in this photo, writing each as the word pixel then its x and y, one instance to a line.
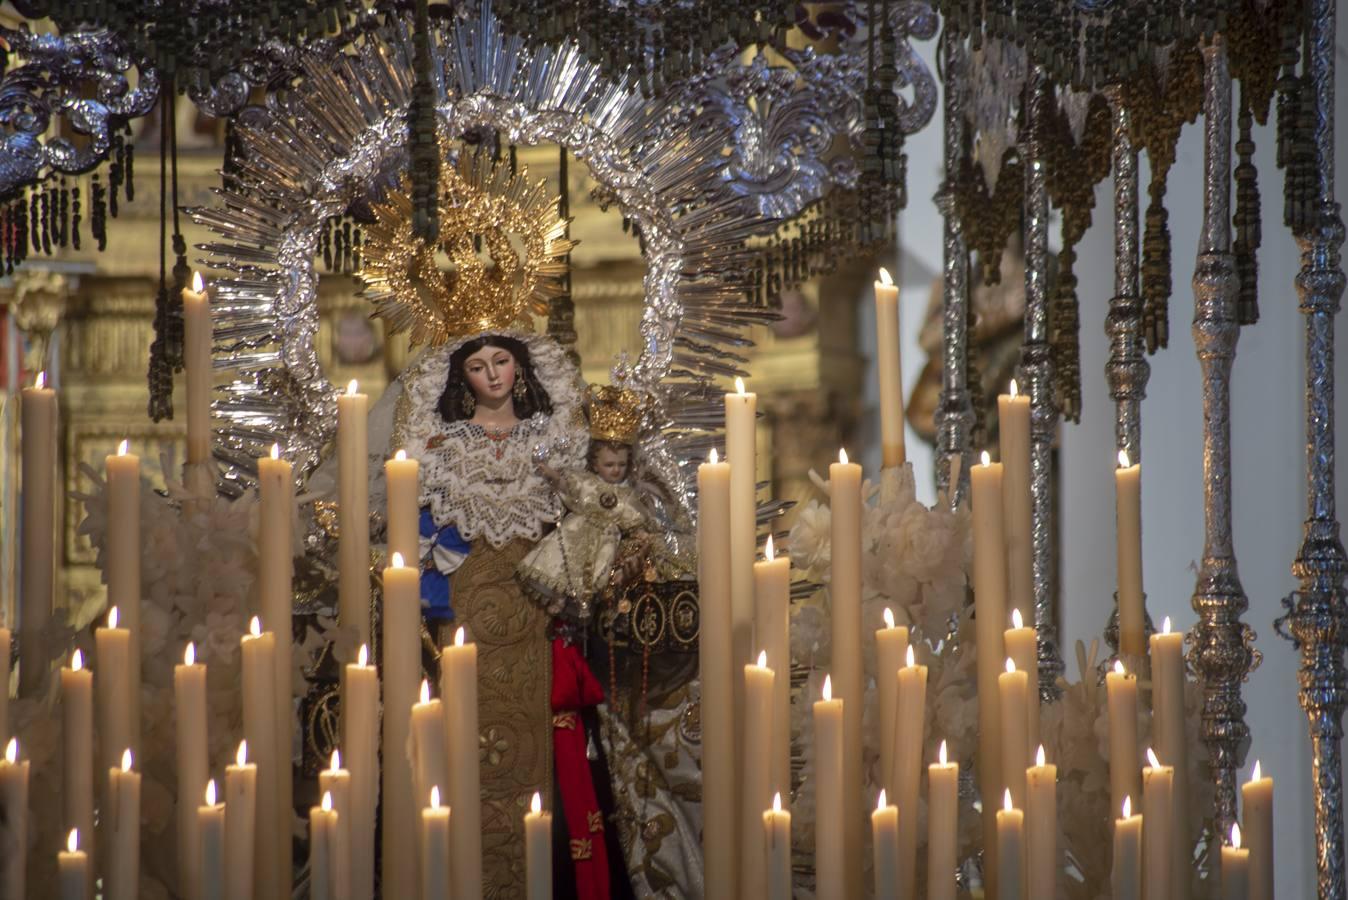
pixel 1156 268
pixel 21 231
pixel 98 227
pixel 325 243
pixel 115 175
pixel 75 217
pixel 129 165
pixel 1065 338
pixel 63 230
pixel 35 220
pixel 1246 220
pixel 422 136
pixel 355 251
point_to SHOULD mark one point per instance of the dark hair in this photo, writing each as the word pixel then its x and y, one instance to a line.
pixel 535 398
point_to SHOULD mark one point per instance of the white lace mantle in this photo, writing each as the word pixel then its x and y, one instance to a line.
pixel 462 479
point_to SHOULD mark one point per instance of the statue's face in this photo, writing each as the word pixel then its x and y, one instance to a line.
pixel 490 373
pixel 610 464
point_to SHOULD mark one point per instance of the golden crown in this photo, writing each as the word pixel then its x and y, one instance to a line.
pixel 486 213
pixel 616 413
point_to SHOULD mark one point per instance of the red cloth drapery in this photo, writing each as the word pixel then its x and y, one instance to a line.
pixel 574 688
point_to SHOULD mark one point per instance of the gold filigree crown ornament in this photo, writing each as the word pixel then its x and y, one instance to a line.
pixel 616 413
pixel 502 239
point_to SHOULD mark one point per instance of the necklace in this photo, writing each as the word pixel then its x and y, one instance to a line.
pixel 497 436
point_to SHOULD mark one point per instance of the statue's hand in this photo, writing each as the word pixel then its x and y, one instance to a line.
pixel 552 475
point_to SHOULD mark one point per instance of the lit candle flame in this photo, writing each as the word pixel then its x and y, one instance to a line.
pixel 1254 776
pixel 986 458
pixel 1010 666
pixel 112 617
pixel 73 841
pixel 777 801
pixel 435 796
pixel 425 691
pixel 210 792
pixel 1165 626
pixel 769 551
pixel 335 763
pixel 1006 800
pixel 400 455
pixel 126 760
pixel 396 561
pixel 536 804
pixel 842 455
pixel 255 626
pixel 1128 807
pixel 712 457
pixel 12 751
pixel 1040 759
pixel 123 447
pixel 76 660
pixel 190 654
pixel 885 279
pixel 1123 459
pixel 941 755
pixel 1152 760
pixel 739 386
pixel 327 801
pixel 241 757
pixel 275 451
pixel 197 284
pixel 880 802
pixel 1015 388
pixel 1235 835
pixel 911 658
pixel 41 381
pixel 1118 667
pixel 889 617
pixel 828 687
pixel 458 637
pixel 762 659
pixel 363 656
pixel 1016 620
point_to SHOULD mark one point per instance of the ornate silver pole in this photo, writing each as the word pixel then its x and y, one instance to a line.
pixel 1317 610
pixel 954 414
pixel 1036 364
pixel 1220 651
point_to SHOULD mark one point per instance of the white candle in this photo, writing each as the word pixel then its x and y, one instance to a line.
pixel 943 779
pixel 887 355
pixel 124 846
pixel 112 645
pixel 1022 645
pixel 1256 797
pixel 73 866
pixel 276 603
pixel 435 850
pixel 715 659
pixel 1013 696
pixel 777 826
pixel 756 786
pixel 1128 503
pixel 335 782
pixel 772 629
pixel 1121 696
pixel 1010 851
pixel 189 701
pixel 240 818
pixel 209 883
pixel 885 849
pixel 360 738
pixel 1158 805
pixel 353 512
pixel 741 451
pixel 845 595
pixel 1168 724
pixel 458 685
pixel 429 754
pixel 1013 422
pixel 38 454
pixel 77 749
pixel 830 880
pixel 404 507
pixel 402 672
pixel 989 578
pixel 259 728
pixel 911 720
pixel 323 860
pixel 197 362
pixel 538 850
pixel 1235 868
pixel 1041 822
pixel 122 556
pixel 13 821
pixel 1127 877
pixel 891 649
